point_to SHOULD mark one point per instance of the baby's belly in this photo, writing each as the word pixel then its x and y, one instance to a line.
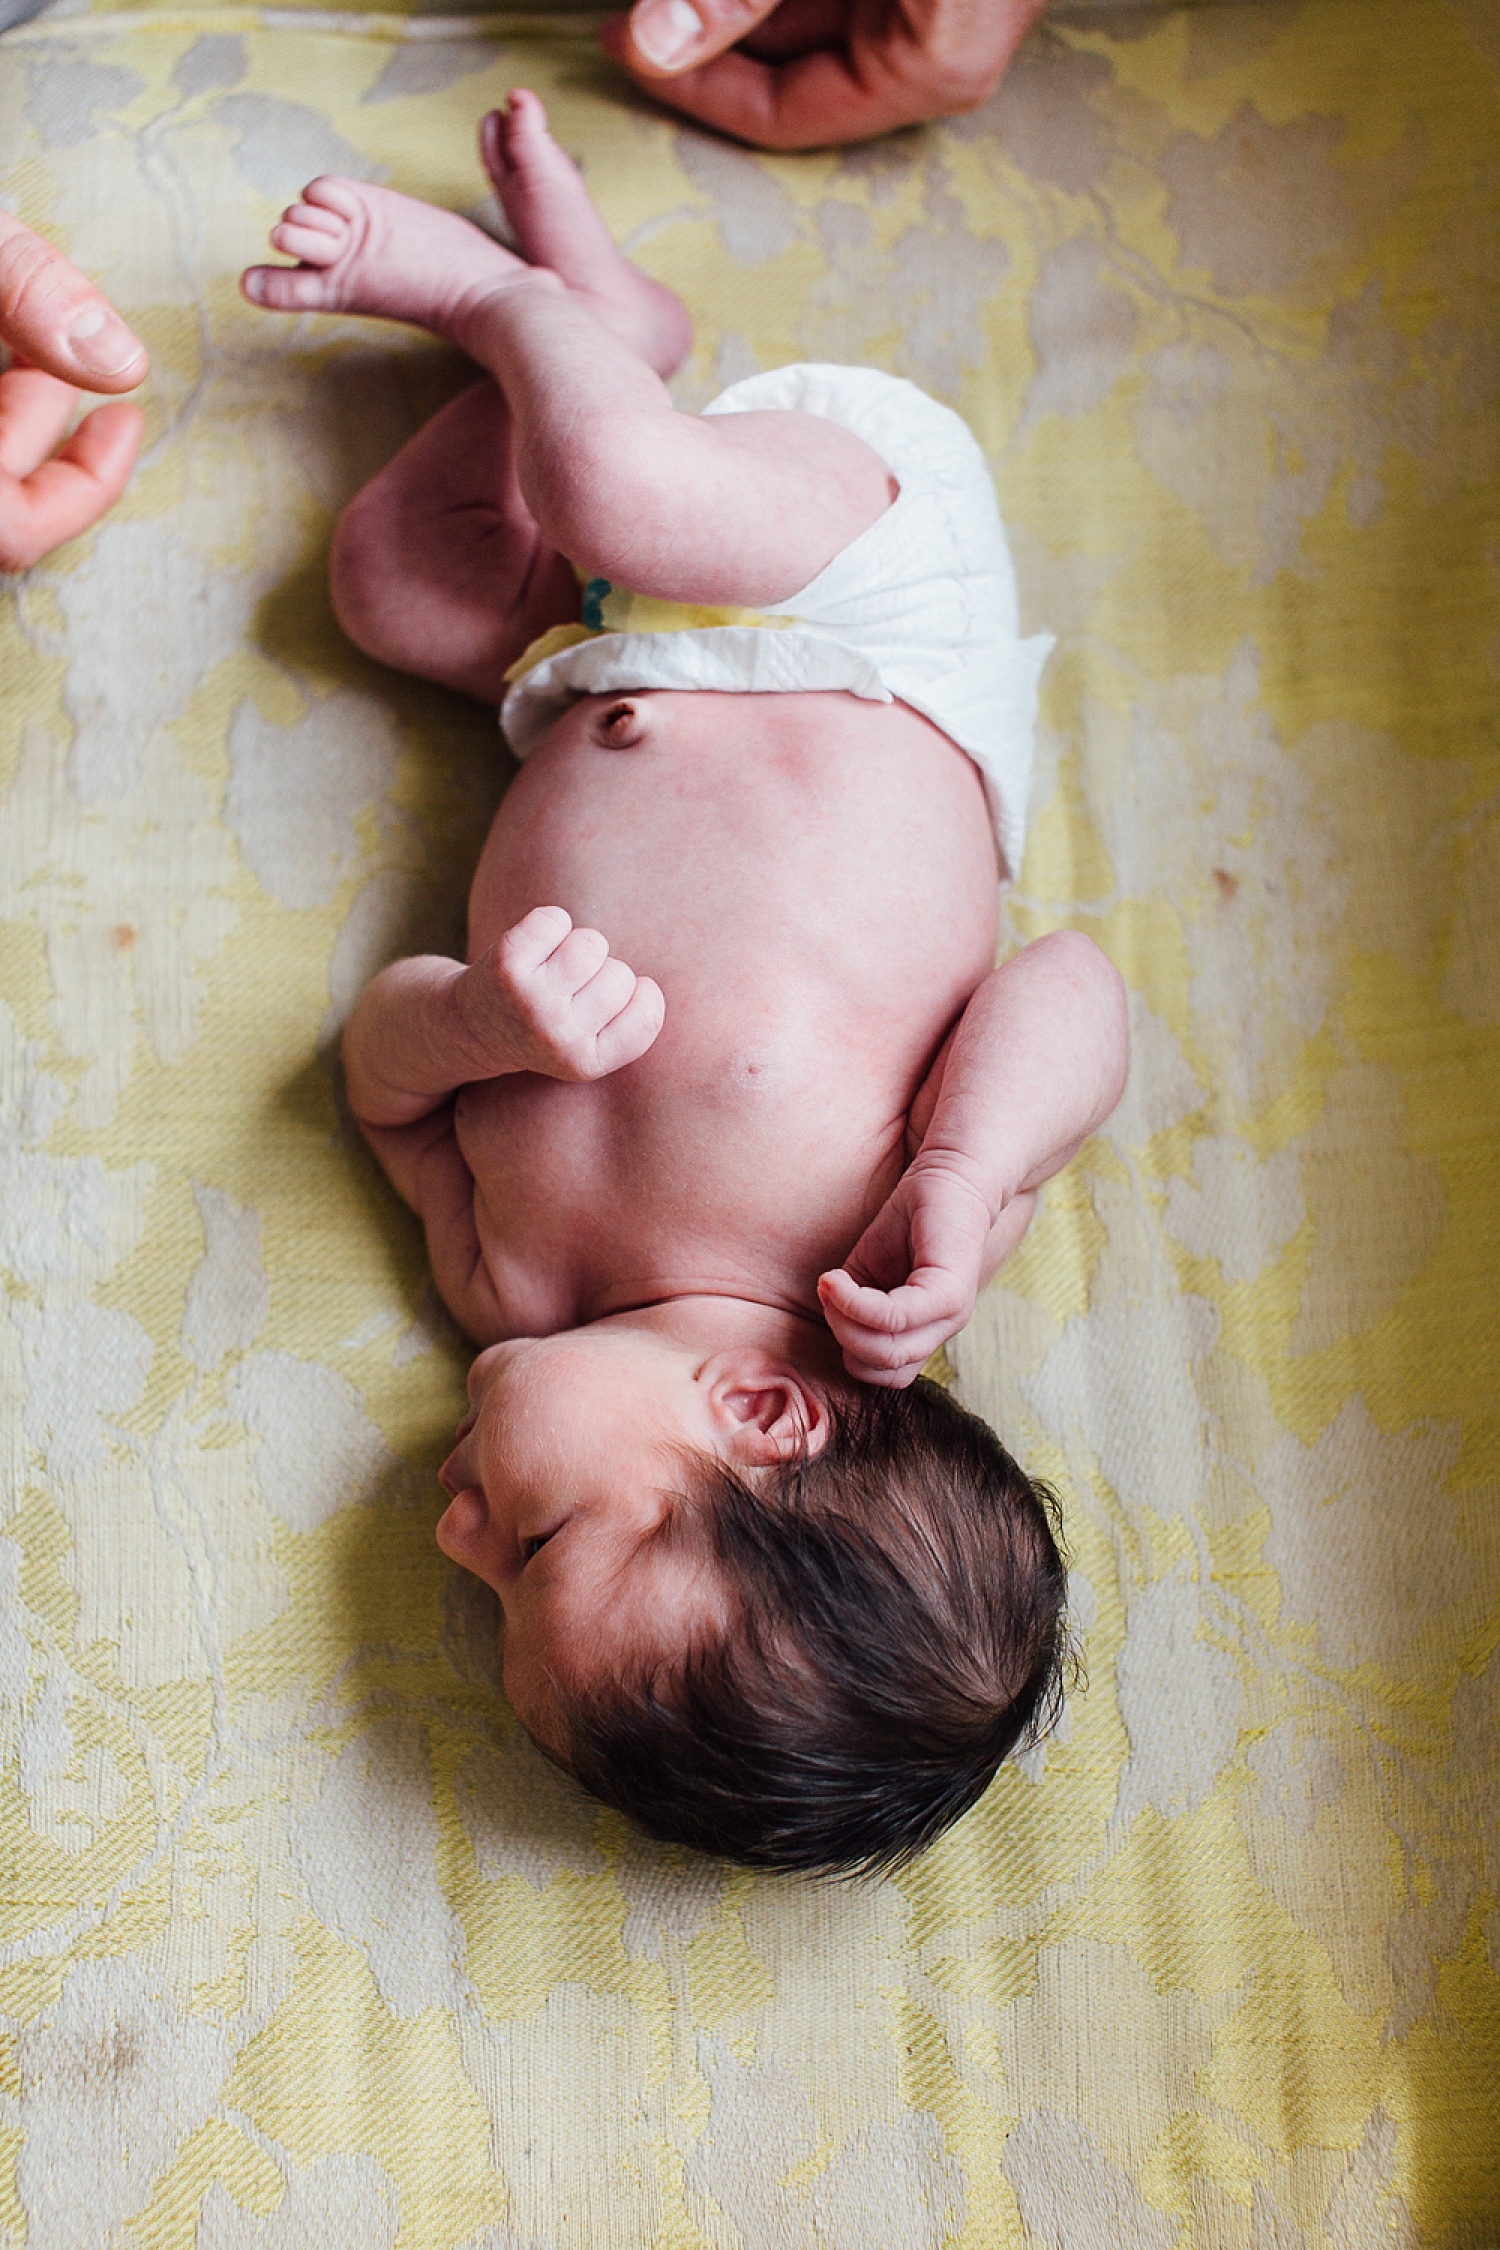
pixel 812 883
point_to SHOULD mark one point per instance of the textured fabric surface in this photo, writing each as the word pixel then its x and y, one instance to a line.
pixel 299 1943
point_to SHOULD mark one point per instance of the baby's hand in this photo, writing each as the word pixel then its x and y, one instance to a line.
pixel 911 1279
pixel 552 999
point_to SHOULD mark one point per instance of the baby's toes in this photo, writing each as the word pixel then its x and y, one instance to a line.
pixel 286 288
pixel 316 216
pixel 509 137
pixel 315 246
pixel 330 191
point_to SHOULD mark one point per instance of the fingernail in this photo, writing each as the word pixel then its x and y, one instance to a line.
pixel 665 31
pixel 103 345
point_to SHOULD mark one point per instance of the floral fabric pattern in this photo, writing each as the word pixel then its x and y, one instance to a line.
pixel 300 1943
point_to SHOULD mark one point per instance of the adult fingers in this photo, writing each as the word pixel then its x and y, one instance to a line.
pixel 35 409
pixel 878 79
pixel 54 316
pixel 103 448
pixel 63 497
pixel 796 27
pixel 814 101
pixel 662 37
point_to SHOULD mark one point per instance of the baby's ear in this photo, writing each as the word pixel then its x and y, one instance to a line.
pixel 767 1411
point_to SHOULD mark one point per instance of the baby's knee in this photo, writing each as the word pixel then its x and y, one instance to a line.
pixel 361 574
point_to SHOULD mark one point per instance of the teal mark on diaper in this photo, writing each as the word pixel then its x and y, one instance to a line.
pixel 595 594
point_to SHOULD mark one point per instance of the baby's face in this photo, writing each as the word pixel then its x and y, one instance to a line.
pixel 566 1481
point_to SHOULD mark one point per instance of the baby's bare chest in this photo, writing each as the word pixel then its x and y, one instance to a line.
pixel 711 1161
pixel 816 910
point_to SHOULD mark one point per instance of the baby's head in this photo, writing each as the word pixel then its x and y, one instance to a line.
pixel 765 1611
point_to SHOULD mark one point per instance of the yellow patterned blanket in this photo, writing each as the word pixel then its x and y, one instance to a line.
pixel 301 1948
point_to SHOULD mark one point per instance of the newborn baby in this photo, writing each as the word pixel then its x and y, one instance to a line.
pixel 729 1115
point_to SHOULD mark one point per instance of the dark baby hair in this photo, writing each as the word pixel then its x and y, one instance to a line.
pixel 899 1628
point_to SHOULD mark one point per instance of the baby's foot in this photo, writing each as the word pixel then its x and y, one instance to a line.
pixel 368 250
pixel 555 224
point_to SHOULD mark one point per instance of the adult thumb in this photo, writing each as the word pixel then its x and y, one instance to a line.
pixel 54 318
pixel 659 38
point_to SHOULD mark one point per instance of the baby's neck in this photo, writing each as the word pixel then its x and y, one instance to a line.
pixel 711 1320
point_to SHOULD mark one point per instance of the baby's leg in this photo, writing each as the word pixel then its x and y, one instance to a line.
pixel 438 566
pixel 555 224
pixel 741 508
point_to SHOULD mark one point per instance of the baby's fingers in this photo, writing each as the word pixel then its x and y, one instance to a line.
pixel 600 1000
pixel 882 1378
pixel 533 940
pixel 888 1336
pixel 626 1038
pixel 890 1361
pixel 313 245
pixel 930 1295
pixel 578 960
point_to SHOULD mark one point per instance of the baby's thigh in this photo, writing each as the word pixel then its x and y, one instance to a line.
pixel 460 458
pixel 437 566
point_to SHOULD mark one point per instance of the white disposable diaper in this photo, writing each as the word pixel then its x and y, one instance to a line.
pixel 921 608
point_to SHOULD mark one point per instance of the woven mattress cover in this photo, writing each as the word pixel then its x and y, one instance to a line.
pixel 300 1943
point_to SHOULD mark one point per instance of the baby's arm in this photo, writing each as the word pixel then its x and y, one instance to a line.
pixel 1035 1064
pixel 545 997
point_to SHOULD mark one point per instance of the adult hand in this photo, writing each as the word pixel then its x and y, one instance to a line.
pixel 66 337
pixel 789 74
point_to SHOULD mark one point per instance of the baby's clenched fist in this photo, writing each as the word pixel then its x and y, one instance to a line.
pixel 551 998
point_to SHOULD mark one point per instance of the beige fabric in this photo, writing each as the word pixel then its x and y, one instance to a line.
pixel 299 1944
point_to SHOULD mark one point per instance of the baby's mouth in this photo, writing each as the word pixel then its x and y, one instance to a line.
pixel 464 1518
pixel 449 1476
